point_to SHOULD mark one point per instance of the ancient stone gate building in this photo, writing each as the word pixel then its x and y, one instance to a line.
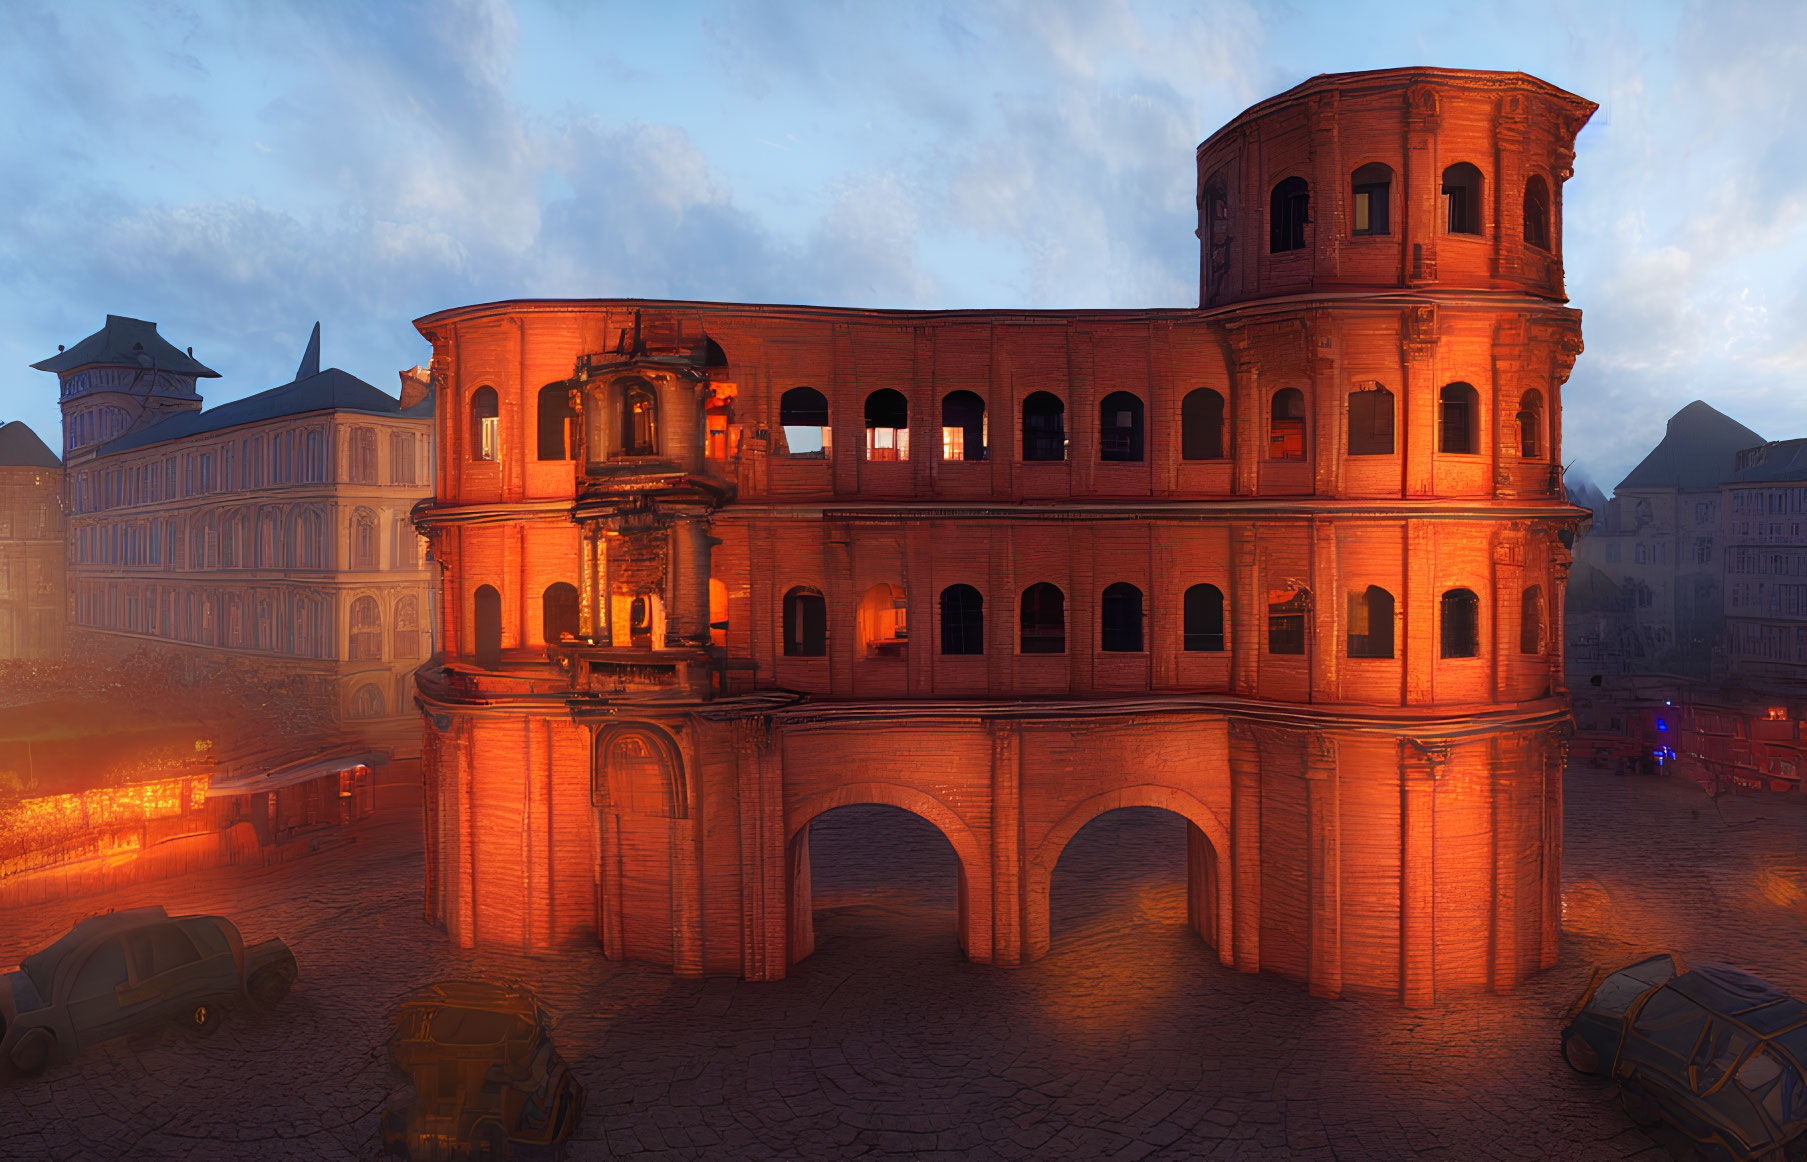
pixel 1287 564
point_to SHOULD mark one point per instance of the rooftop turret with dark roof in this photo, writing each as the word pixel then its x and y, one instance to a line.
pixel 1696 453
pixel 21 448
pixel 127 342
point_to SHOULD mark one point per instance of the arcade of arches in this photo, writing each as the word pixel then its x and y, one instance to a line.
pixel 685 842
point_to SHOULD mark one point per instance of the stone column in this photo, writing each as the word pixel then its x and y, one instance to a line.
pixel 1245 845
pixel 1247 603
pixel 1418 403
pixel 1508 841
pixel 764 876
pixel 1555 762
pixel 1007 905
pixel 1324 867
pixel 687 619
pixel 1420 767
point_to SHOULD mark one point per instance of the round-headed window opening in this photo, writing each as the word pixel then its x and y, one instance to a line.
pixel 1044 426
pixel 887 425
pixel 639 419
pixel 1370 188
pixel 638 771
pixel 803 414
pixel 1120 427
pixel 1462 199
pixel 964 435
pixel 1459 417
pixel 1537 212
pixel 1201 425
pixel 1286 425
pixel 1289 209
pixel 486 425
pixel 1043 618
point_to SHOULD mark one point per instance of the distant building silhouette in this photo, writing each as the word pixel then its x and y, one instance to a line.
pixel 270 533
pixel 31 546
pixel 1662 541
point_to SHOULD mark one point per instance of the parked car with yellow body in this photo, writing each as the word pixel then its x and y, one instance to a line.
pixel 485 1079
pixel 120 972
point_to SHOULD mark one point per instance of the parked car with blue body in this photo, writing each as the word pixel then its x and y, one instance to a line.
pixel 1711 1050
pixel 120 972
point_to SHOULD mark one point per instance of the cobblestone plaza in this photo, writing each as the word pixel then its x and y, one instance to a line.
pixel 1129 1040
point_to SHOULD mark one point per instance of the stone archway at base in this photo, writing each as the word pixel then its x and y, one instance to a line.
pixel 1208 877
pixel 975 866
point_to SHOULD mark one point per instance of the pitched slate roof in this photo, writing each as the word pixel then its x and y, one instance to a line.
pixel 120 344
pixel 21 448
pixel 1696 453
pixel 331 390
pixel 1782 460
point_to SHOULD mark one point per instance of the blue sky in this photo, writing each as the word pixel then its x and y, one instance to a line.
pixel 236 171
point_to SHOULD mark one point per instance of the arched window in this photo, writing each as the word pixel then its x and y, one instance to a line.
pixel 881 622
pixel 1530 621
pixel 1369 188
pixel 229 543
pixel 366 630
pixel 363 456
pixel 1044 426
pixel 1286 607
pixel 1286 425
pixel 639 420
pixel 1537 212
pixel 1461 624
pixel 1201 425
pixel 407 544
pixel 643 617
pixel 1462 199
pixel 1120 619
pixel 805 623
pixel 1203 619
pixel 367 702
pixel 407 629
pixel 486 431
pixel 363 539
pixel 636 775
pixel 1043 620
pixel 1289 208
pixel 1371 421
pixel 887 425
pixel 1530 425
pixel 558 612
pixel 555 416
pixel 1371 623
pixel 962 620
pixel 1120 426
pixel 1459 420
pixel 803 414
pixel 488 643
pixel 718 612
pixel 964 435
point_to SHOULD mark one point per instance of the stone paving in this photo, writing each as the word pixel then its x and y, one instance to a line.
pixel 1128 1041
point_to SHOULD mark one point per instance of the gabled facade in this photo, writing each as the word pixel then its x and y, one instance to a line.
pixel 265 539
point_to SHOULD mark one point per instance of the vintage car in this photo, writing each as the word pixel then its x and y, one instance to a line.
pixel 1712 1051
pixel 486 1081
pixel 120 972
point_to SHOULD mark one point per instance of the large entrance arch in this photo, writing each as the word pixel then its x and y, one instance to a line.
pixel 1207 871
pixel 974 909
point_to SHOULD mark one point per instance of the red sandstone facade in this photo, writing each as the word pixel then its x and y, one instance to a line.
pixel 1285 565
